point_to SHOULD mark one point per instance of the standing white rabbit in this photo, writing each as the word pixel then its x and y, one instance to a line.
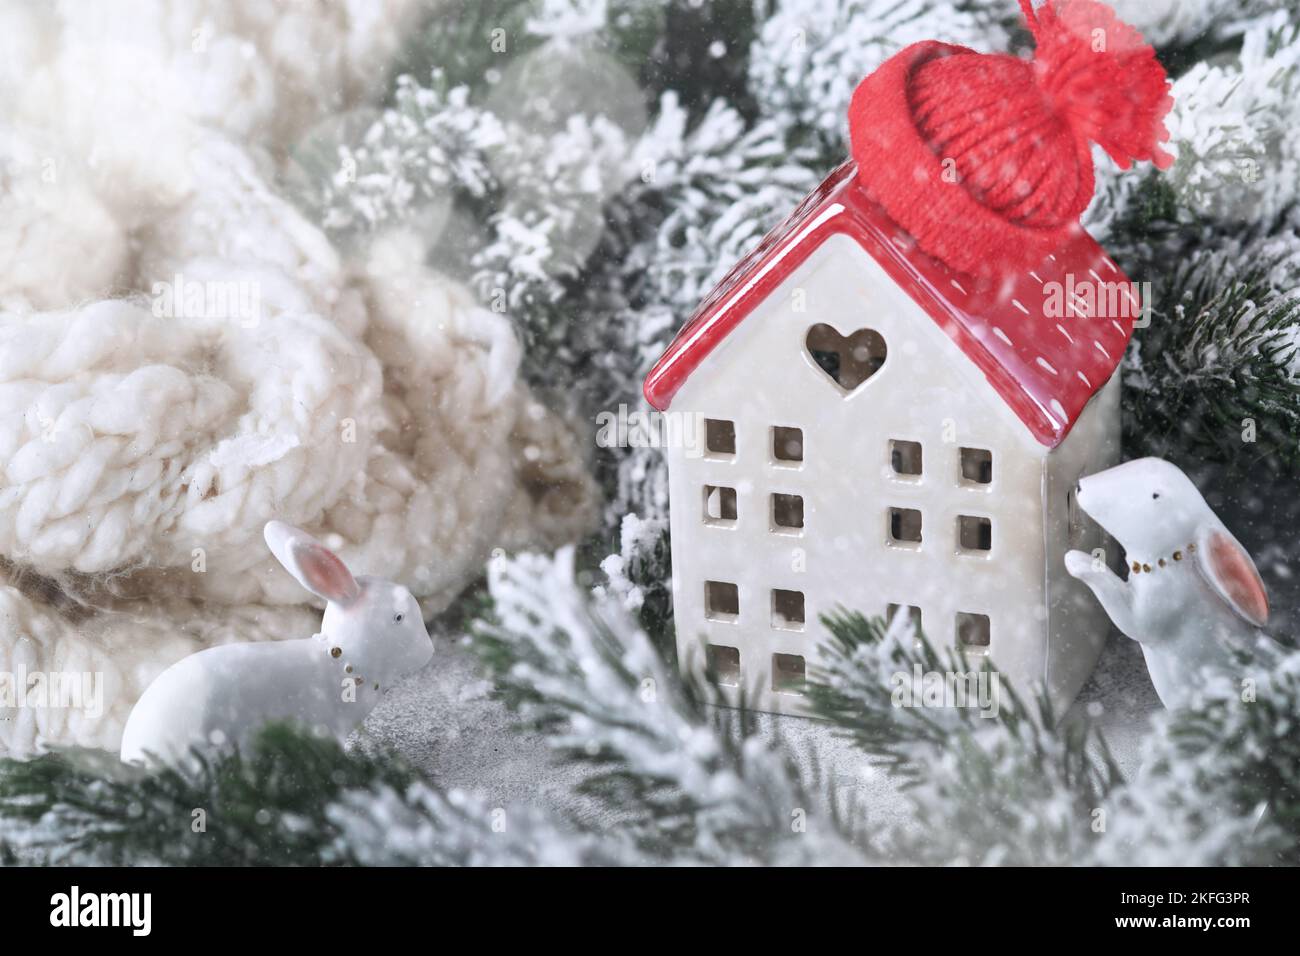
pixel 372 634
pixel 1193 594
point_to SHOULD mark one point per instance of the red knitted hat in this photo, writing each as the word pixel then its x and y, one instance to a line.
pixel 984 158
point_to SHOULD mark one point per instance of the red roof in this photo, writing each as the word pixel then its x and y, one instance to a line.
pixel 1045 368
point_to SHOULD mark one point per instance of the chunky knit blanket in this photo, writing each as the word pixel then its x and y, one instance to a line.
pixel 184 356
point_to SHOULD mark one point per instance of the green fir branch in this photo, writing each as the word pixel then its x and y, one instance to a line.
pixel 296 799
pixel 1214 377
pixel 264 808
pixel 1013 784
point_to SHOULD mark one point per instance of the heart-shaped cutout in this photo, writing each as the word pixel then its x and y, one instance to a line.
pixel 847 360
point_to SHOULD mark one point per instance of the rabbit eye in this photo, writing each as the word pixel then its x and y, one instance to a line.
pixel 1154 495
pixel 397 618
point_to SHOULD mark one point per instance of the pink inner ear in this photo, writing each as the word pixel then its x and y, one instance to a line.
pixel 1237 576
pixel 324 573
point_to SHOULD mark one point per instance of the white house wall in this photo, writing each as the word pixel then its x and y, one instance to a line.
pixel 1077 624
pixel 927 391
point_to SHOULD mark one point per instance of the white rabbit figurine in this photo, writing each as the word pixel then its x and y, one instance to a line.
pixel 1193 593
pixel 372 634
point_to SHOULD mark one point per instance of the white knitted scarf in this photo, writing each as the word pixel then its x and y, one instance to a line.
pixel 183 356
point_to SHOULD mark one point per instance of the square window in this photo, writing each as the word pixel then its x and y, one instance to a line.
pixel 724 664
pixel 973 631
pixel 974 534
pixel 976 465
pixel 719 437
pixel 721 601
pixel 787 444
pixel 787 610
pixel 905 457
pixel 788 674
pixel 719 505
pixel 904 526
pixel 912 612
pixel 787 513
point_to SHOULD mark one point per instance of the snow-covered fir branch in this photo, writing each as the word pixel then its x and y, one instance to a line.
pixel 431 141
pixel 1219 782
pixel 549 217
pixel 720 184
pixel 1167 23
pixel 1232 129
pixel 1215 376
pixel 679 776
pixel 991 778
pixel 810 54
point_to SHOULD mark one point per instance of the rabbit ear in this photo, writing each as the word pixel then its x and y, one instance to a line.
pixel 1224 563
pixel 316 567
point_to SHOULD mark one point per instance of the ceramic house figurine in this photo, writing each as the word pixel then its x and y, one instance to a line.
pixel 895 394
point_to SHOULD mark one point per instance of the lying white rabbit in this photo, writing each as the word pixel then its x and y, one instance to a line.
pixel 372 634
pixel 1193 593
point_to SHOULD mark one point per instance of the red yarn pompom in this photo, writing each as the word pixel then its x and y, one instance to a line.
pixel 1103 77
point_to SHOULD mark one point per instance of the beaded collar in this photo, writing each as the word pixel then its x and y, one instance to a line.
pixel 337 652
pixel 1141 567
